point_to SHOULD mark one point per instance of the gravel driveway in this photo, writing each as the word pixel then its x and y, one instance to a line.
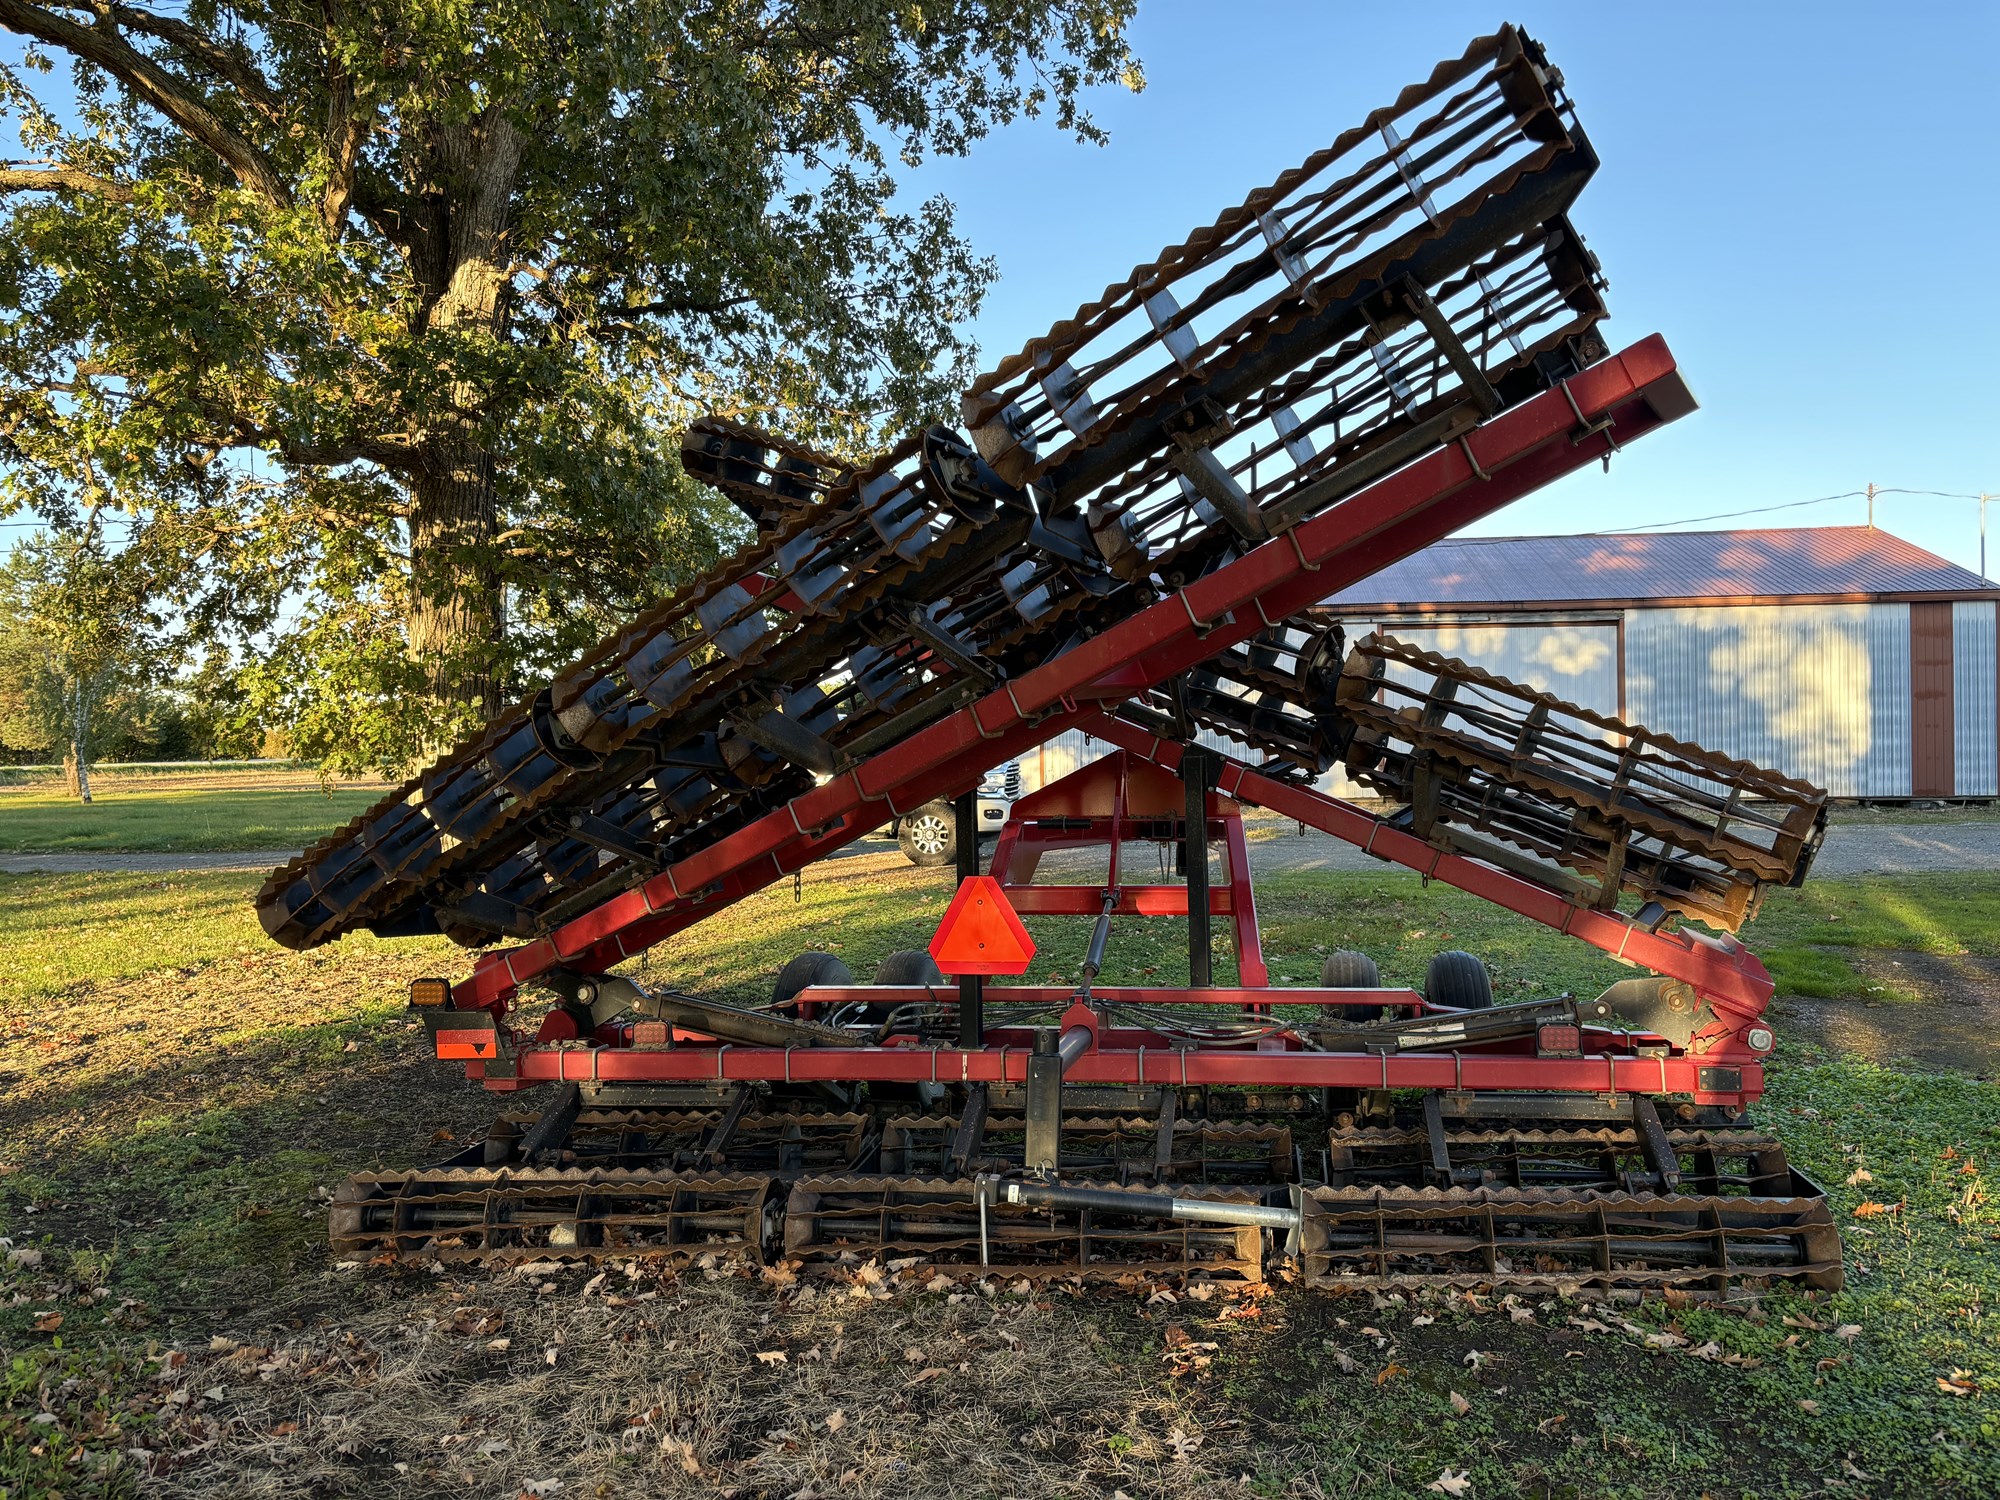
pixel 1863 849
pixel 141 864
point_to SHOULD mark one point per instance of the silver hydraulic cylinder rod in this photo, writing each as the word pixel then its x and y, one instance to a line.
pixel 995 1190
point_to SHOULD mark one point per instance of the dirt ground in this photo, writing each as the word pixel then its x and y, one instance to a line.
pixel 1950 1020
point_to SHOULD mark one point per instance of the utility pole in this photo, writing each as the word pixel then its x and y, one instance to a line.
pixel 1871 505
pixel 1983 498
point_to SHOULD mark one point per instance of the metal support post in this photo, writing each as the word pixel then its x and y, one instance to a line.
pixel 1198 773
pixel 971 987
pixel 1043 1148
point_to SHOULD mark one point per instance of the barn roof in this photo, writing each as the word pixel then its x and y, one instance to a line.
pixel 1666 567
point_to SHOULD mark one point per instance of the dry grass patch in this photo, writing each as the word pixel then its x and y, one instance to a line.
pixel 661 1384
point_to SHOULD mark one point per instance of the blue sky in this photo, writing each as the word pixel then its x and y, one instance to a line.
pixel 1804 199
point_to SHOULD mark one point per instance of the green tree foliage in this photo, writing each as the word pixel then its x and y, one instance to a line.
pixel 80 652
pixel 381 316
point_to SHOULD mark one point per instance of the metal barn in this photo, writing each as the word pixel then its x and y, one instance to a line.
pixel 1842 654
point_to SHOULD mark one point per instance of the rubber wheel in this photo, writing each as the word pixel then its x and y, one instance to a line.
pixel 929 836
pixel 1458 979
pixel 1346 969
pixel 805 971
pixel 909 966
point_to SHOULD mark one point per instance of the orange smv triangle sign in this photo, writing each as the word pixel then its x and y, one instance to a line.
pixel 980 933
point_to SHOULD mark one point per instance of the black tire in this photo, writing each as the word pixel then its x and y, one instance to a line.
pixel 805 971
pixel 928 837
pixel 910 966
pixel 1458 979
pixel 1346 969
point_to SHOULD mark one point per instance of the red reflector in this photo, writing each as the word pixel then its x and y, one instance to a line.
pixel 1559 1041
pixel 467 1044
pixel 980 933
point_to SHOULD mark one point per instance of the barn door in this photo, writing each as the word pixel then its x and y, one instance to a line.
pixel 1932 771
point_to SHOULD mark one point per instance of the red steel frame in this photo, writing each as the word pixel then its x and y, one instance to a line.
pixel 1101 806
pixel 1586 418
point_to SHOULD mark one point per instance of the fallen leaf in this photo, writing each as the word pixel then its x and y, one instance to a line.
pixel 1459 1405
pixel 1958 1383
pixel 772 1357
pixel 837 1421
pixel 1847 1331
pixel 1868 1208
pixel 48 1322
pixel 1809 1407
pixel 1182 1443
pixel 1388 1373
pixel 923 1375
pixel 1452 1484
pixel 1859 1176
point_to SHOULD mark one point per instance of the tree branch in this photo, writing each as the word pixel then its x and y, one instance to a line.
pixel 63 180
pixel 227 65
pixel 346 128
pixel 102 43
pixel 621 317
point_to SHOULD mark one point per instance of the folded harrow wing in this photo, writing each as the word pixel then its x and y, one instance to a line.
pixel 1391 341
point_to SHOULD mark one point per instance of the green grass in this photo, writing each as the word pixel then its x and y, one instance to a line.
pixel 66 931
pixel 173 820
pixel 183 1089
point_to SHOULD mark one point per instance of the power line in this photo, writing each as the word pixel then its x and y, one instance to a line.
pixel 1733 515
pixel 1764 510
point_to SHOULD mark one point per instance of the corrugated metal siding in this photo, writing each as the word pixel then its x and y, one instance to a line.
pixel 1819 691
pixel 1575 660
pixel 1073 749
pixel 1975 733
pixel 1931 773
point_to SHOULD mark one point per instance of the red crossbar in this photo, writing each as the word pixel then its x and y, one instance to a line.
pixel 1603 1072
pixel 1517 452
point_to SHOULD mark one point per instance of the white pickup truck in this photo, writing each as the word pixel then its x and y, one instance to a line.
pixel 929 835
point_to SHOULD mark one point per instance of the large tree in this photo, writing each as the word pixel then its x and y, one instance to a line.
pixel 380 317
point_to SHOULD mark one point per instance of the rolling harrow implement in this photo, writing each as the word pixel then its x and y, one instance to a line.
pixel 1391 341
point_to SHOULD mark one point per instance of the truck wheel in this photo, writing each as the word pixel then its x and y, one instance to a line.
pixel 1458 979
pixel 805 971
pixel 1346 969
pixel 928 837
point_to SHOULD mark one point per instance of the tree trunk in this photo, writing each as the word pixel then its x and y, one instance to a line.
pixel 76 764
pixel 457 622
